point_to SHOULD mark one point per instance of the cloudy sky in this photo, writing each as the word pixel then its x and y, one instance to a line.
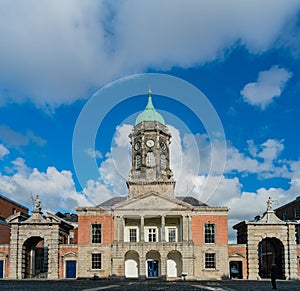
pixel 243 55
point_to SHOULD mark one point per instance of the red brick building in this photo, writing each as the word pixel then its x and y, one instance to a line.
pixel 7 208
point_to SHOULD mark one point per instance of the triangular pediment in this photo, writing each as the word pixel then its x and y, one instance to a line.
pixel 153 201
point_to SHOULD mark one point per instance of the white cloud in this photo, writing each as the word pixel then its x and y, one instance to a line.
pixel 93 153
pixel 268 86
pixel 263 160
pixel 56 188
pixel 3 151
pixel 67 47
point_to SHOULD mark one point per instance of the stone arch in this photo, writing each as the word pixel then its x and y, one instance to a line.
pixel 34 258
pixel 174 264
pixel 153 264
pixel 131 261
pixel 271 251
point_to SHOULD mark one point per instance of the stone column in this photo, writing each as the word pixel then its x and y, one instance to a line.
pixel 252 256
pixel 163 266
pixel 142 237
pixel 190 228
pixel 163 226
pixel 122 228
pixel 185 228
pixel 292 247
pixel 142 265
pixel 116 228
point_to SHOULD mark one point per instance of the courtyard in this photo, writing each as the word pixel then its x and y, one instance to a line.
pixel 95 285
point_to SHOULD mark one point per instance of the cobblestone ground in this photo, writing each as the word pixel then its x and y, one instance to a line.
pixel 99 285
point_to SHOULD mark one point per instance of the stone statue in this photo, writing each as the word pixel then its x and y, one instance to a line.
pixel 269 203
pixel 37 203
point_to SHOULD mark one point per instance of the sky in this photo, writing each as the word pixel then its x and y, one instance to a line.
pixel 243 56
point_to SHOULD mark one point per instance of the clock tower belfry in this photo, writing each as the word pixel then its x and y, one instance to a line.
pixel 150 140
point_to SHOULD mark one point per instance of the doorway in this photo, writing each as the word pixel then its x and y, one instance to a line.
pixel 271 251
pixel 70 269
pixel 152 268
pixel 1 269
pixel 35 258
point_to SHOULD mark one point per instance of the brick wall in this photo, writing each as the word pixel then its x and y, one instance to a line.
pixel 8 207
pixel 289 209
pixel 84 228
pixel 5 234
pixel 221 228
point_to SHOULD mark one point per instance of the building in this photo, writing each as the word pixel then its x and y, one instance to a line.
pixel 149 232
pixel 7 208
pixel 269 240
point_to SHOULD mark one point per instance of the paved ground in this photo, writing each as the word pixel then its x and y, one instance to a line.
pixel 99 285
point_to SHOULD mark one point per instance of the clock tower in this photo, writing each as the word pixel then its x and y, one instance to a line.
pixel 150 140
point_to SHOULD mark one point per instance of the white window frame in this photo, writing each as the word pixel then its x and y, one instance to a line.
pixel 206 261
pixel 101 261
pixel 99 237
pixel 127 233
pixel 147 229
pixel 168 228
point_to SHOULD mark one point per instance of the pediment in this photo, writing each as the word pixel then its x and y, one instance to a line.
pixel 16 218
pixel 153 201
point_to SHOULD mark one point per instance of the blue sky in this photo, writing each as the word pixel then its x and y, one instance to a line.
pixel 242 55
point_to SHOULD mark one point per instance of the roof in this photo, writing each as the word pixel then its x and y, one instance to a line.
pixel 191 200
pixel 149 113
pixel 69 217
pixel 113 201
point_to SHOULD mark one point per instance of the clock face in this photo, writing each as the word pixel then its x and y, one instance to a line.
pixel 163 145
pixel 150 143
pixel 137 145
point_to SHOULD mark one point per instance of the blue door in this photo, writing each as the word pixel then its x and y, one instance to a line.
pixel 71 269
pixel 1 269
pixel 152 268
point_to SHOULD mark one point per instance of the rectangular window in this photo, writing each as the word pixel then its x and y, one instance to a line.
pixel 152 234
pixel 133 235
pixel 297 212
pixel 210 233
pixel 96 261
pixel 96 233
pixel 210 261
pixel 285 215
pixel 172 235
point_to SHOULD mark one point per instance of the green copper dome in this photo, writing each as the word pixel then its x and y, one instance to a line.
pixel 149 113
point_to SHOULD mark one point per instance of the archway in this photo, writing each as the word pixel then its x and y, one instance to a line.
pixel 174 264
pixel 35 258
pixel 270 251
pixel 152 264
pixel 131 264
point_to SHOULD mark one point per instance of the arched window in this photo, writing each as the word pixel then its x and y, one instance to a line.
pixel 163 162
pixel 138 161
pixel 150 160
